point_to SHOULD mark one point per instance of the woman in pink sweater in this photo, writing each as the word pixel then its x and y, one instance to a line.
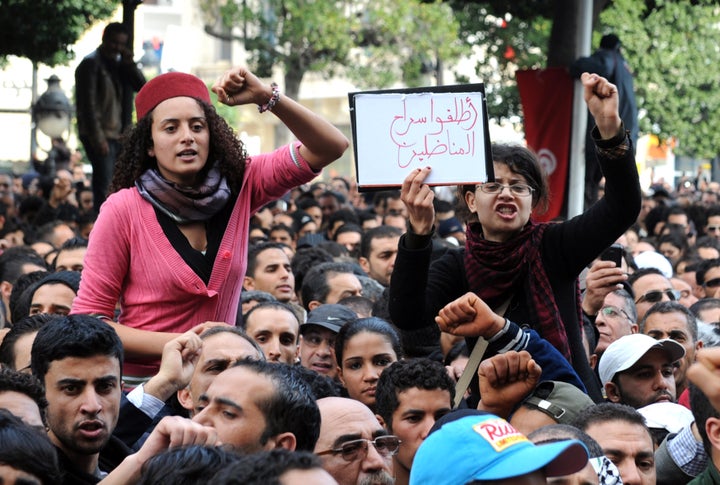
pixel 170 243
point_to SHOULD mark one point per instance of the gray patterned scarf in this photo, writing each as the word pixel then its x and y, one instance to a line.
pixel 185 204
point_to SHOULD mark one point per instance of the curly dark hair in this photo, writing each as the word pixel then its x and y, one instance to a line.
pixel 225 147
pixel 402 375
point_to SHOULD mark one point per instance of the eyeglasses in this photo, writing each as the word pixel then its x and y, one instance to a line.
pixel 614 312
pixel 713 283
pixel 386 446
pixel 522 190
pixel 713 228
pixel 655 296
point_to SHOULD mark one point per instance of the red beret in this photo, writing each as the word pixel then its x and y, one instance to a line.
pixel 166 86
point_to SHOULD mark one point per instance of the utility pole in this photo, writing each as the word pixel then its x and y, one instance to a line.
pixel 129 7
pixel 576 188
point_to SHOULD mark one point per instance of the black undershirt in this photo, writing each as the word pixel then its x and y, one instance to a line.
pixel 214 230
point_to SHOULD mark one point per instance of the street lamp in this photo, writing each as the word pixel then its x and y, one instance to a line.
pixel 51 115
pixel 51 112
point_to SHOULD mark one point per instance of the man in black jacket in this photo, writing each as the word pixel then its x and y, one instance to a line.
pixel 103 81
pixel 609 63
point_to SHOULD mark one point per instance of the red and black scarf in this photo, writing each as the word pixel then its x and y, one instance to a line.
pixel 497 271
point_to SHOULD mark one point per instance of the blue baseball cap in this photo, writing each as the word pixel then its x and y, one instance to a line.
pixel 472 445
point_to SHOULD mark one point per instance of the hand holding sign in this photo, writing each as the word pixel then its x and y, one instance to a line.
pixel 418 199
pixel 397 132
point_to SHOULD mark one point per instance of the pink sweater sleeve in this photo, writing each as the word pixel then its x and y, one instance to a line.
pixel 106 262
pixel 272 175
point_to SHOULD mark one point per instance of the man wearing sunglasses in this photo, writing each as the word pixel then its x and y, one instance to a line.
pixel 708 276
pixel 354 448
pixel 712 227
pixel 650 286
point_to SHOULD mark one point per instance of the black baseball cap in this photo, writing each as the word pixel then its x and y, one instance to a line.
pixel 330 315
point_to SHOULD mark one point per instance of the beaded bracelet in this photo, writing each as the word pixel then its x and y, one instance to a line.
pixel 273 99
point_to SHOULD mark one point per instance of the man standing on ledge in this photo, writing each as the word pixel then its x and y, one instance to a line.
pixel 102 80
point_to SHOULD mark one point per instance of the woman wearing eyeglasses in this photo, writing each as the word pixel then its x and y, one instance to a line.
pixel 509 258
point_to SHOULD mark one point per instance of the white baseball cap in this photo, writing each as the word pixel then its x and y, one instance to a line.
pixel 653 259
pixel 667 415
pixel 626 351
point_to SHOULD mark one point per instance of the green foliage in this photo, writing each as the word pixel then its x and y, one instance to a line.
pixel 409 39
pixel 673 52
pixel 308 35
pixel 670 45
pixel 374 42
pixel 504 43
pixel 44 30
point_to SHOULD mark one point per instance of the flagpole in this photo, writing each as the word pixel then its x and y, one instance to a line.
pixel 576 189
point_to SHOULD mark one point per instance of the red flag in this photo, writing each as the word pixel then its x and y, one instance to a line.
pixel 546 96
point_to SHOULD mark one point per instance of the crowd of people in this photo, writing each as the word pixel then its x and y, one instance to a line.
pixel 227 318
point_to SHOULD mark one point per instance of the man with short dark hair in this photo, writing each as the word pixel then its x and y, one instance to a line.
pixel 707 247
pixel 411 396
pixel 54 233
pixel 349 235
pixel 14 262
pixel 24 396
pixel 378 250
pixel 256 405
pixel 338 219
pixel 276 329
pixel 329 283
pixel 395 220
pixel 16 347
pixel 312 208
pixel 283 234
pixel 650 286
pixel 707 310
pixel 54 294
pixel 222 347
pixel 71 254
pixel 707 419
pixel 330 202
pixel 621 432
pixel 708 276
pixel 671 320
pixel 250 298
pixel 79 360
pixel 269 270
